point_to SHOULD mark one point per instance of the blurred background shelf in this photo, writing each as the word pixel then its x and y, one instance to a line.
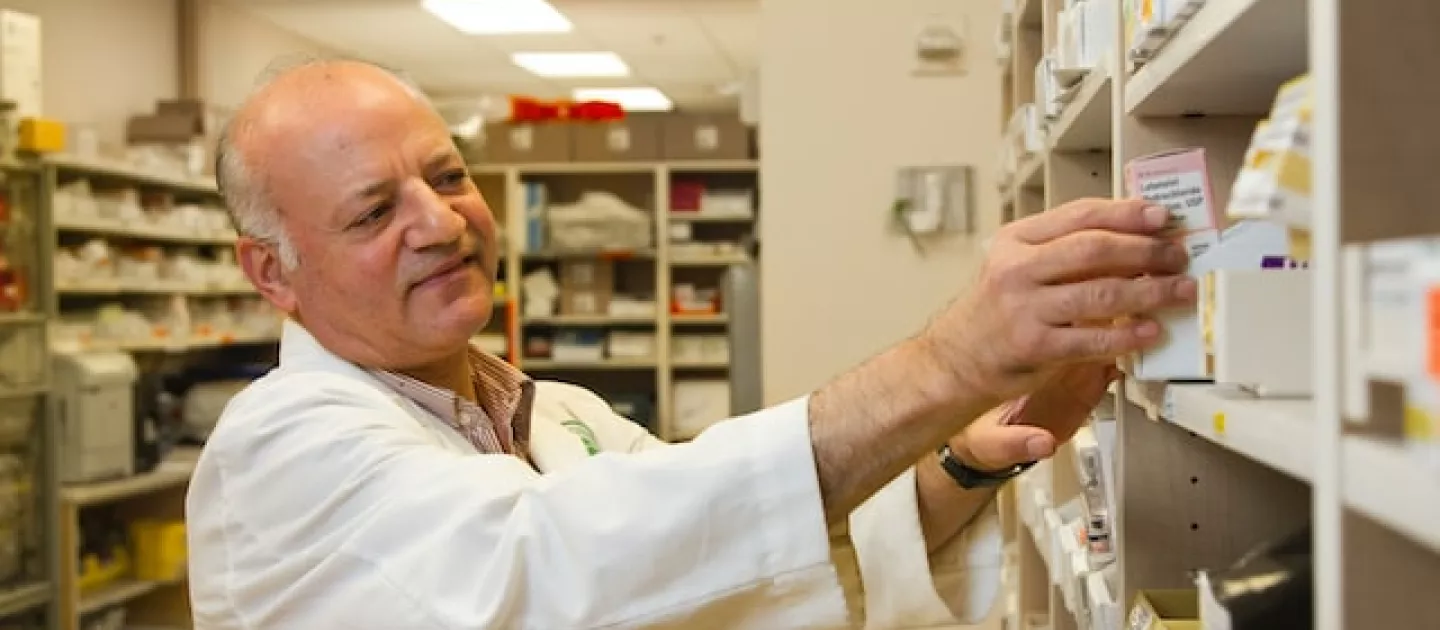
pixel 1226 60
pixel 24 597
pixel 1394 486
pixel 606 364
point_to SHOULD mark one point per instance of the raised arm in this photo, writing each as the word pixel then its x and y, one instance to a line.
pixel 1087 261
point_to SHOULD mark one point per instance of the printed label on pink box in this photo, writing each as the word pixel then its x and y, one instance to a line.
pixel 1180 182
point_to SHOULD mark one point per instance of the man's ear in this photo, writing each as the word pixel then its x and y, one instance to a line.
pixel 261 263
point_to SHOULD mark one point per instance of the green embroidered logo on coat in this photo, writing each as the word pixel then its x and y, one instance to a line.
pixel 586 435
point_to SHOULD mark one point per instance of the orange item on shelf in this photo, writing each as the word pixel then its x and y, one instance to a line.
pixel 1433 330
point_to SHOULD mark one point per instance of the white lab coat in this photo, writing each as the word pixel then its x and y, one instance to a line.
pixel 324 500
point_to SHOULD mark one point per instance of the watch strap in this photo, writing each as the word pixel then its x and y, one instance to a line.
pixel 971 478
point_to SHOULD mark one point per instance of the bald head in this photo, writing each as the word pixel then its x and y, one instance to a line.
pixel 360 218
pixel 291 99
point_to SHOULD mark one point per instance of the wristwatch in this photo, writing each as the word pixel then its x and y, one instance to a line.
pixel 970 478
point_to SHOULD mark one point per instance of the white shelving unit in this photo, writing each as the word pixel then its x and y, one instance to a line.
pixel 27 593
pixel 643 185
pixel 1204 473
pixel 158 493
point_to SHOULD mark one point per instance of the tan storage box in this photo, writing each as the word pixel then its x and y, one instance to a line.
pixel 161 129
pixel 706 137
pixel 1177 609
pixel 635 139
pixel 586 286
pixel 507 143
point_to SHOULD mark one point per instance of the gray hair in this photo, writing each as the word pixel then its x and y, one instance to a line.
pixel 251 209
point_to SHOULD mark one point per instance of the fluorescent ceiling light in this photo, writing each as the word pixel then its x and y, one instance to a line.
pixel 499 17
pixel 572 64
pixel 634 99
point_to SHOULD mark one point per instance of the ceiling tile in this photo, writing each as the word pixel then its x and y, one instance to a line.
pixel 704 66
pixel 737 34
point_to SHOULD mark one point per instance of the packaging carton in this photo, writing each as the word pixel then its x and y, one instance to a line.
pixel 1177 609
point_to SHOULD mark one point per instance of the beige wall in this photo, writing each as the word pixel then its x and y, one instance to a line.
pixel 236 47
pixel 840 112
pixel 103 60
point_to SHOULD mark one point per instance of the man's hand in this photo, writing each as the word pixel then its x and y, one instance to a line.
pixel 1086 261
pixel 1029 315
pixel 1019 431
pixel 1032 428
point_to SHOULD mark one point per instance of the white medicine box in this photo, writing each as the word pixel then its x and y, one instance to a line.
pixel 1182 354
pixel 1257 329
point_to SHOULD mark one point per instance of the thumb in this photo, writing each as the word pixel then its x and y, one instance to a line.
pixel 1008 445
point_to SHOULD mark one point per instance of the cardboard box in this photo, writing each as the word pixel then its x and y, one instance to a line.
pixel 587 274
pixel 584 301
pixel 637 139
pixel 1177 609
pixel 507 143
pixel 160 129
pixel 705 137
pixel 191 108
pixel 586 287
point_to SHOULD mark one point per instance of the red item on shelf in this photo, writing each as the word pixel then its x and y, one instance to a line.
pixel 596 111
pixel 13 291
pixel 525 109
pixel 686 196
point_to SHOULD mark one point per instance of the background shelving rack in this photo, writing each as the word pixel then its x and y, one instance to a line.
pixel 156 493
pixel 645 185
pixel 30 599
pixel 1202 475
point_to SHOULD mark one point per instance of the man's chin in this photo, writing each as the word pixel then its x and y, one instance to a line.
pixel 464 317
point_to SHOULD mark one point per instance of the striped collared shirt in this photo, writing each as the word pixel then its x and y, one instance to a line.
pixel 499 424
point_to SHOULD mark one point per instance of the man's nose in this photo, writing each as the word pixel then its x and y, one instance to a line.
pixel 435 222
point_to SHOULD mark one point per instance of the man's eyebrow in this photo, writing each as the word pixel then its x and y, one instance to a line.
pixel 440 159
pixel 382 186
pixel 374 189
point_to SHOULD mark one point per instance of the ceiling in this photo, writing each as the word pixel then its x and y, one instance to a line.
pixel 693 50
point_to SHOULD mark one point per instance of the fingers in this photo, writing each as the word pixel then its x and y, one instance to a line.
pixel 1002 447
pixel 1133 216
pixel 1095 344
pixel 1105 299
pixel 1095 253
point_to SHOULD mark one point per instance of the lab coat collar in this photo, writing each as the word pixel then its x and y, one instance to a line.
pixel 300 349
pixel 552 446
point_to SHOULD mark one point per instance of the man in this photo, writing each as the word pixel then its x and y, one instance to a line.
pixel 388 476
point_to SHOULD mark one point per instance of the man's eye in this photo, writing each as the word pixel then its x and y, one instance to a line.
pixel 451 180
pixel 374 215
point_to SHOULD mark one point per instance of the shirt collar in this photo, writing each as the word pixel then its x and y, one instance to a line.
pixel 505 394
